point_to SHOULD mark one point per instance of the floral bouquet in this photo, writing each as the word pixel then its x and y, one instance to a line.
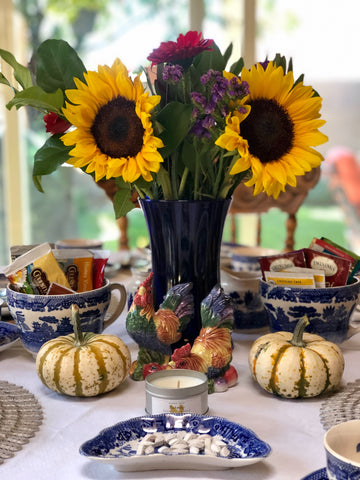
pixel 194 133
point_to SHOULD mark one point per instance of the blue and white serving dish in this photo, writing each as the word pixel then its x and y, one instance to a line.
pixel 118 445
pixel 9 334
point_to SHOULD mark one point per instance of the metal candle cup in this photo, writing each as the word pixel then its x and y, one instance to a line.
pixel 176 391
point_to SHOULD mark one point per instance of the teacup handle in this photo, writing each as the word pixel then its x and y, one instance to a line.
pixel 353 331
pixel 120 307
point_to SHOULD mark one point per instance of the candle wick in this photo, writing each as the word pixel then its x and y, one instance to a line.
pixel 178 384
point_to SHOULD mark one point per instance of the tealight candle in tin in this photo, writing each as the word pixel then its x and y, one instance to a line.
pixel 176 391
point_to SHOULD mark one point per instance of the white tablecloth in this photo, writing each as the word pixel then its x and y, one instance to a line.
pixel 291 427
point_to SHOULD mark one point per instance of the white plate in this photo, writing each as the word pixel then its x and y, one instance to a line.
pixel 9 334
pixel 115 445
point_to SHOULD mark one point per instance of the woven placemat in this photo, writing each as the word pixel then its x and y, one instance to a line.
pixel 341 406
pixel 20 418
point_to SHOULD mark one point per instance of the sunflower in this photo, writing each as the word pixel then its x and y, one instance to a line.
pixel 280 130
pixel 113 135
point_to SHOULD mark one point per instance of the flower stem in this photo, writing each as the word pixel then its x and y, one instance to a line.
pixel 164 181
pixel 216 188
pixel 183 181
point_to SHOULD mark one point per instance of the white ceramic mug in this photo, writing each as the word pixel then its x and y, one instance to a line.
pixel 342 446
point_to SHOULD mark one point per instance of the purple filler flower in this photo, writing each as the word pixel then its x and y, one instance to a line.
pixel 172 73
pixel 198 98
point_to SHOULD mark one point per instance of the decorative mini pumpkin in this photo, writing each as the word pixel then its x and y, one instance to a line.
pixel 83 365
pixel 296 365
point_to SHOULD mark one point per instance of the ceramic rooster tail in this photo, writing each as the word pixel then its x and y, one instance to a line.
pixel 217 309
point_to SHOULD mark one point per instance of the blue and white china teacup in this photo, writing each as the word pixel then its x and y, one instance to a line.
pixel 328 309
pixel 342 447
pixel 243 288
pixel 246 259
pixel 43 317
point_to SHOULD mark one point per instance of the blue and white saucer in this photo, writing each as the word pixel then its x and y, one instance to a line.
pixel 9 334
pixel 317 475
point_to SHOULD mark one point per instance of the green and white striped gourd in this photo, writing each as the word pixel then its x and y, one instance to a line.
pixel 83 365
pixel 296 365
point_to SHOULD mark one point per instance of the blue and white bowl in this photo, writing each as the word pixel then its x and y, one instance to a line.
pixel 246 259
pixel 43 317
pixel 342 443
pixel 328 309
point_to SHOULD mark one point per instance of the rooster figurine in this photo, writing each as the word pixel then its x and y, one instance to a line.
pixel 155 332
pixel 211 352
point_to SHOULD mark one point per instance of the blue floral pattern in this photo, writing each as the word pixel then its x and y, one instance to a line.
pixel 114 441
pixel 328 309
pixel 41 318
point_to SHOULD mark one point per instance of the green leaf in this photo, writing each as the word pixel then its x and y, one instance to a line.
pixel 176 118
pixel 122 199
pixel 6 82
pixel 37 183
pixel 50 156
pixel 37 98
pixel 210 59
pixel 21 73
pixel 228 53
pixel 237 66
pixel 57 65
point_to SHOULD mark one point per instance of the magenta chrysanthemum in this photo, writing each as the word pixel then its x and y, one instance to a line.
pixel 186 46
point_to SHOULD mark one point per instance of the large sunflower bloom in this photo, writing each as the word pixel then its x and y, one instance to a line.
pixel 113 135
pixel 281 129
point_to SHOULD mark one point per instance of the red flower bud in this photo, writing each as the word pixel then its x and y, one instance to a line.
pixel 54 124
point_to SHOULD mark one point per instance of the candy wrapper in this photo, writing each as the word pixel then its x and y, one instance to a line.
pixel 77 264
pixel 35 270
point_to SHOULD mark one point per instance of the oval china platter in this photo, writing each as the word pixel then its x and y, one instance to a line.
pixel 124 444
pixel 9 334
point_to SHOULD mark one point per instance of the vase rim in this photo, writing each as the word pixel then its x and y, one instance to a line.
pixel 185 200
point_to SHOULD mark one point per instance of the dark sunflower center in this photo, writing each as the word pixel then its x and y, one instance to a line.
pixel 117 130
pixel 268 129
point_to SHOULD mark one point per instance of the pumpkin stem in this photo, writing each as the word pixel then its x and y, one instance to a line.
pixel 297 339
pixel 79 337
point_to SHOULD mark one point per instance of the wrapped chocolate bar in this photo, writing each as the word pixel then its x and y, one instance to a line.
pixel 281 261
pixel 336 269
pixel 77 264
pixel 35 270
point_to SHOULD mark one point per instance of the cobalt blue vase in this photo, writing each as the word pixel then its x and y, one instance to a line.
pixel 185 241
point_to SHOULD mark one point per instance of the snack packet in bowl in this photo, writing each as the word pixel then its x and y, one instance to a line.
pixel 77 264
pixel 99 263
pixel 35 270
